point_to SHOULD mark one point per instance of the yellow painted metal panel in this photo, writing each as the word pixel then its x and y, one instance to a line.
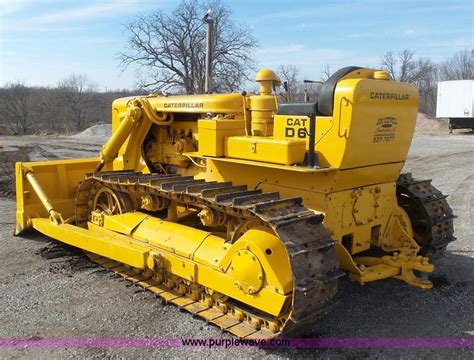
pixel 220 124
pixel 124 223
pixel 212 134
pixel 371 206
pixel 97 240
pixel 203 103
pixel 297 127
pixel 367 175
pixel 302 180
pixel 211 251
pixel 176 238
pixel 270 166
pixel 270 252
pixel 380 118
pixel 286 152
pixel 180 266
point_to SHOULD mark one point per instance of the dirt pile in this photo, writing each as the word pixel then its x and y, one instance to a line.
pixel 426 124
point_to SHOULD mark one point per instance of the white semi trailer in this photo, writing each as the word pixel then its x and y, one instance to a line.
pixel 456 102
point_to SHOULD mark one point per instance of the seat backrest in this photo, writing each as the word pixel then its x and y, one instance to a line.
pixel 326 97
pixel 297 108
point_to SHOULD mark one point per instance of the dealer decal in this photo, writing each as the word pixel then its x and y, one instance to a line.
pixel 385 131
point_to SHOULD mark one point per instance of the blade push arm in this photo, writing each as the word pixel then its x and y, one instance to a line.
pixel 110 149
pixel 137 110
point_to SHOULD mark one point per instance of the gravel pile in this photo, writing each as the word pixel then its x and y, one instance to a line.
pixel 427 124
pixel 95 132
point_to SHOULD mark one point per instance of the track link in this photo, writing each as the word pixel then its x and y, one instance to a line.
pixel 309 246
pixel 429 212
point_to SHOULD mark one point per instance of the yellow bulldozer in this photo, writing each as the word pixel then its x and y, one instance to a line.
pixel 245 211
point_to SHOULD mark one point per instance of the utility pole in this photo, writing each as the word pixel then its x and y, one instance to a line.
pixel 210 29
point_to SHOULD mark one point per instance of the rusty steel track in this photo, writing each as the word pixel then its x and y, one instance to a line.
pixel 308 244
pixel 429 212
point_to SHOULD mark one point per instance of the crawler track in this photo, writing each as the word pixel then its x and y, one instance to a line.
pixel 429 212
pixel 308 244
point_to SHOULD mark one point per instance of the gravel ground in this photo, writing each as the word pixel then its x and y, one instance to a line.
pixel 50 290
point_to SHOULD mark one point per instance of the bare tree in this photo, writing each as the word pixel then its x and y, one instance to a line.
pixel 326 72
pixel 52 114
pixel 389 64
pixel 407 67
pixel 401 67
pixel 15 108
pixel 459 67
pixel 291 75
pixel 422 72
pixel 427 83
pixel 77 91
pixel 169 50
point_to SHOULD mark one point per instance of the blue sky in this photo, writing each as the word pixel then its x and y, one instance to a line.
pixel 43 41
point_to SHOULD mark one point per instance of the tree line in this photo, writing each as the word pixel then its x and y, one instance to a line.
pixel 73 105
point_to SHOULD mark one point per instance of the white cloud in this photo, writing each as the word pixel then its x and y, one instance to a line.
pixel 51 20
pixel 11 6
pixel 323 9
pixel 100 9
pixel 363 35
pixel 28 27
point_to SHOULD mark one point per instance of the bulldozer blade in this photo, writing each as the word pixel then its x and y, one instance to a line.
pixel 58 180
